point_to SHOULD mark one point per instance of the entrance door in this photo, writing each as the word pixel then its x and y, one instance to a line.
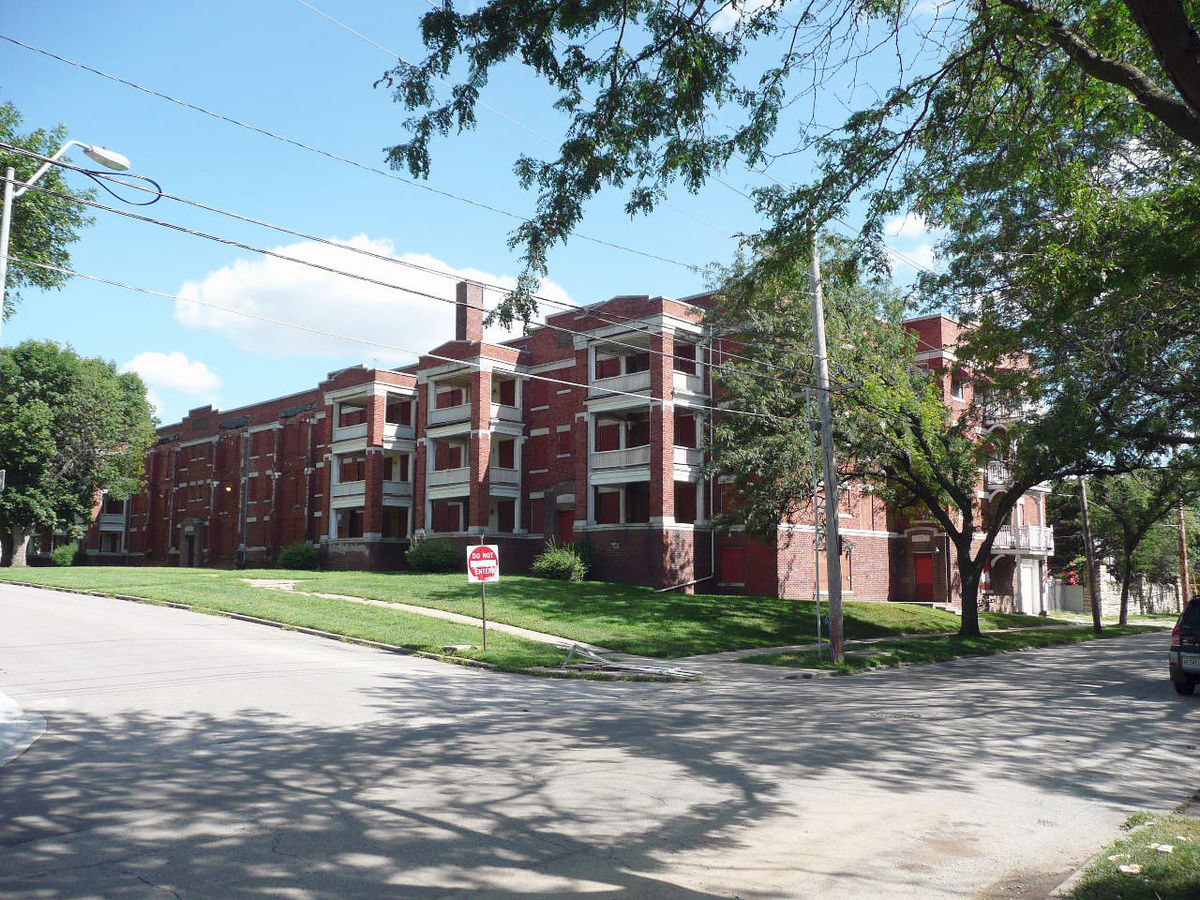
pixel 923 569
pixel 189 550
pixel 1029 588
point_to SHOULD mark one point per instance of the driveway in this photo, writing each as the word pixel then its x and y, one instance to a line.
pixel 198 757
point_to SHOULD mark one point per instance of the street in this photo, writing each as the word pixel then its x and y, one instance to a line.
pixel 198 757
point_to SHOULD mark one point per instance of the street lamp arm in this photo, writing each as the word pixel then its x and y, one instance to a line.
pixel 102 155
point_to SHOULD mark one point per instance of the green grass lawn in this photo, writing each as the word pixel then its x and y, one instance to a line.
pixel 1151 873
pixel 621 617
pixel 940 648
pixel 228 592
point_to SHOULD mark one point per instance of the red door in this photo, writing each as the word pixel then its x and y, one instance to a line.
pixel 733 565
pixel 923 568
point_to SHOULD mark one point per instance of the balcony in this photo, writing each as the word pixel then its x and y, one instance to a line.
pixel 692 384
pixel 998 474
pixel 689 456
pixel 630 457
pixel 506 413
pixel 1032 538
pixel 504 476
pixel 460 413
pixel 633 382
pixel 350 432
pixel 397 489
pixel 349 489
pixel 117 519
pixel 442 477
pixel 393 432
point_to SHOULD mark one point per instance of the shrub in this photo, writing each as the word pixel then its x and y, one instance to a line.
pixel 67 555
pixel 436 555
pixel 560 561
pixel 300 555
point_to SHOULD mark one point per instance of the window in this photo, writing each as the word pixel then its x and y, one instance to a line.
pixel 608 367
pixel 608 436
pixel 349 523
pixel 564 442
pixel 685 503
pixel 452 397
pixel 113 506
pixel 448 456
pixel 351 415
pixel 505 392
pixel 637 362
pixel 637 432
pixel 685 430
pixel 958 388
pixel 405 467
pixel 505 516
pixel 398 412
pixel 352 468
pixel 537 451
pixel 505 454
pixel 685 358
pixel 608 506
pixel 637 502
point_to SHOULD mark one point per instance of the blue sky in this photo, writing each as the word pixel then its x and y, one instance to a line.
pixel 279 66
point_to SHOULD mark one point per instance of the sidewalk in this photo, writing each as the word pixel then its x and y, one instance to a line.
pixel 18 729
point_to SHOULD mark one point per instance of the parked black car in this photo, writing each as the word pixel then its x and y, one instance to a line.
pixel 1184 656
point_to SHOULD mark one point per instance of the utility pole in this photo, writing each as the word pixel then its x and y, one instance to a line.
pixel 1090 551
pixel 1185 584
pixel 833 543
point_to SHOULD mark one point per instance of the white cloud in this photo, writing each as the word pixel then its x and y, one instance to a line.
pixel 175 372
pixel 906 226
pixel 729 15
pixel 288 291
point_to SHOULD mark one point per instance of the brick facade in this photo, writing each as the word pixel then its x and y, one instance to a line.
pixel 589 429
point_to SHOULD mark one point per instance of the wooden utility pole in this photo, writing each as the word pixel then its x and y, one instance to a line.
pixel 1090 551
pixel 833 543
pixel 1185 584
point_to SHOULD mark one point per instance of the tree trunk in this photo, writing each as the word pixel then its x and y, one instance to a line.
pixel 1126 579
pixel 20 547
pixel 970 573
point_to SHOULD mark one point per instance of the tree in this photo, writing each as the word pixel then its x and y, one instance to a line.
pixel 70 427
pixel 893 428
pixel 1055 143
pixel 1132 515
pixel 43 225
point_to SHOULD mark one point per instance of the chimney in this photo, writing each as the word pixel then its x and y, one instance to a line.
pixel 468 314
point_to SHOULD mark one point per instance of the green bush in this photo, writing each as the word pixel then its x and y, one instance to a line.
pixel 67 555
pixel 300 555
pixel 436 555
pixel 560 561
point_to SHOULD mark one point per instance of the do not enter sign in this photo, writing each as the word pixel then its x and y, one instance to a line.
pixel 483 564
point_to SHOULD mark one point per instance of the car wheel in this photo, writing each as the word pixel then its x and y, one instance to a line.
pixel 1184 685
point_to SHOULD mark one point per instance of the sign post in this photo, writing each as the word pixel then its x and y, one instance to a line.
pixel 483 566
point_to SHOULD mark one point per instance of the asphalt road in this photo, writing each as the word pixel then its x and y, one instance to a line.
pixel 192 756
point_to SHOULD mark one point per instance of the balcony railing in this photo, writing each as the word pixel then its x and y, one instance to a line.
pixel 628 458
pixel 693 384
pixel 459 413
pixel 1025 537
pixel 449 476
pixel 504 476
pixel 635 381
pixel 689 456
pixel 506 413
pixel 111 519
pixel 392 432
pixel 349 488
pixel 397 489
pixel 998 473
pixel 350 432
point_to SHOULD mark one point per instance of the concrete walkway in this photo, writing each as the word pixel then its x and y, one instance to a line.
pixel 18 729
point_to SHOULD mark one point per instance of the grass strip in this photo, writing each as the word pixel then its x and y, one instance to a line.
pixel 199 590
pixel 622 617
pixel 884 654
pixel 1151 873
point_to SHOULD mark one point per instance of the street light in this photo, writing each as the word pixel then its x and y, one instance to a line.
pixel 110 159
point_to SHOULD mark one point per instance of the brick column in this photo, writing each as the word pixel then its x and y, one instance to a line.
pixel 324 475
pixel 421 420
pixel 662 431
pixel 582 448
pixel 479 450
pixel 373 494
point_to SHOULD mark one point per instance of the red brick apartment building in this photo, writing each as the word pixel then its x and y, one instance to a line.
pixel 588 429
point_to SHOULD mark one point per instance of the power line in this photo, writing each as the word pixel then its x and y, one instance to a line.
pixel 337 158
